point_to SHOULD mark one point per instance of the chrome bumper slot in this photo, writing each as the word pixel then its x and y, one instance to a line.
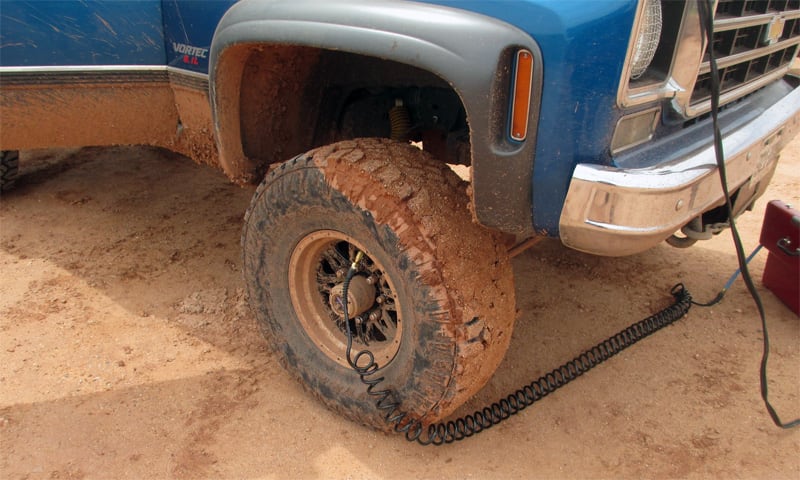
pixel 613 211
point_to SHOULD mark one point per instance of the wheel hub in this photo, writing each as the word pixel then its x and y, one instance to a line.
pixel 360 297
pixel 316 276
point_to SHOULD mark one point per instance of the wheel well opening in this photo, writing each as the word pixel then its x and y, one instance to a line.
pixel 294 98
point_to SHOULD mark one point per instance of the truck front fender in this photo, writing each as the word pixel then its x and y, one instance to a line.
pixel 472 52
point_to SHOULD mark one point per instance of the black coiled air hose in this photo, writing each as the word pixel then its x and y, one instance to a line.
pixel 454 430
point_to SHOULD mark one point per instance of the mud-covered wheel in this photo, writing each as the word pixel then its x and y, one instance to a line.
pixel 433 298
pixel 9 169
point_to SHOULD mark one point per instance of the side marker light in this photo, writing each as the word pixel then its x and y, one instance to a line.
pixel 521 95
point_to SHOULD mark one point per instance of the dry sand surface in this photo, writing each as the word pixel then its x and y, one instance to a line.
pixel 127 349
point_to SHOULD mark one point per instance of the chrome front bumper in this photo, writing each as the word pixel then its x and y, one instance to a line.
pixel 613 211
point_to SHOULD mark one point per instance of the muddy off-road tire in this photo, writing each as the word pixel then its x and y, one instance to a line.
pixel 9 169
pixel 434 293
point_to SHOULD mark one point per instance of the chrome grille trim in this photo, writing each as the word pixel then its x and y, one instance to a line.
pixel 705 67
pixel 725 24
pixel 746 55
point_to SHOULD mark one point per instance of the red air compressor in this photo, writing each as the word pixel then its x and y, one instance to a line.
pixel 780 234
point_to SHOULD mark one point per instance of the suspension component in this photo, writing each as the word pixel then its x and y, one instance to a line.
pixel 400 120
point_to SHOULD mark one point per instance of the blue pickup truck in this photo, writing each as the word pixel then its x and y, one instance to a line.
pixel 588 121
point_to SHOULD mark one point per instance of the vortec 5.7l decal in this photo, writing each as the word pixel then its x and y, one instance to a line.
pixel 189 26
pixel 191 54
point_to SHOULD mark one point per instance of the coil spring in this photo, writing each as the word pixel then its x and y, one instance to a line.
pixel 469 425
pixel 400 121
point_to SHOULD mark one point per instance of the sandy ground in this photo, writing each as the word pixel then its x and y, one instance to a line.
pixel 127 349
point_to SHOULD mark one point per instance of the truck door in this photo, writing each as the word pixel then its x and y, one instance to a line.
pixel 80 33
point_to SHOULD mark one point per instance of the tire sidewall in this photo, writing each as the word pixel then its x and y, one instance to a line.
pixel 295 204
pixel 9 169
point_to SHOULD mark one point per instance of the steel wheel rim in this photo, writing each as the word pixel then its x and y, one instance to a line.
pixel 313 268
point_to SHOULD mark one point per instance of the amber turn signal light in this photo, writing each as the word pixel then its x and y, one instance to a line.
pixel 521 95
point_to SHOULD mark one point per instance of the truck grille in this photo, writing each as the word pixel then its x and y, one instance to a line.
pixel 755 42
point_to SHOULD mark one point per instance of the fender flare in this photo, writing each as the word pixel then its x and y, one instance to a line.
pixel 468 50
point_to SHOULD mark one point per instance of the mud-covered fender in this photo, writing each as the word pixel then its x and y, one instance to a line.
pixel 470 51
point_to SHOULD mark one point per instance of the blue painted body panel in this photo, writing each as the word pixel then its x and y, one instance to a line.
pixel 71 32
pixel 583 44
